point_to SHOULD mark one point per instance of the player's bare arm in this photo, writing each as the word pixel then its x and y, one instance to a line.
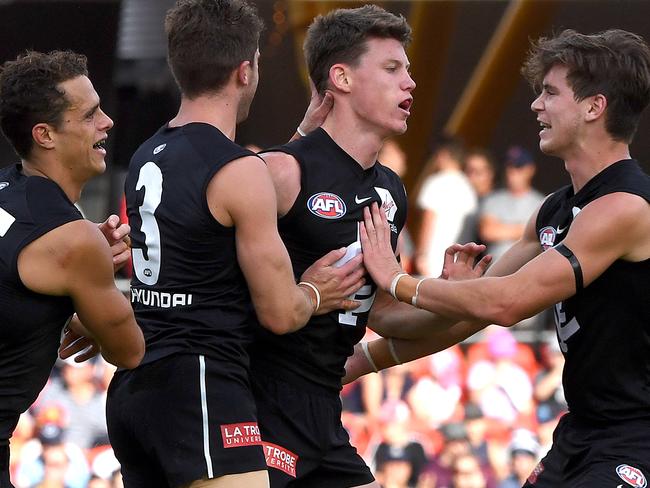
pixel 594 238
pixel 242 194
pixel 75 260
pixel 431 333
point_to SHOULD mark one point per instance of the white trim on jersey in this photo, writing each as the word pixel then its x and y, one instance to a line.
pixel 204 410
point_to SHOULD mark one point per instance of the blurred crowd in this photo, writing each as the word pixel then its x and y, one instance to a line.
pixel 477 415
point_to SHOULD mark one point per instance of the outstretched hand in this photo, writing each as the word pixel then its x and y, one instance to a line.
pixel 460 262
pixel 117 235
pixel 378 256
pixel 317 111
pixel 336 282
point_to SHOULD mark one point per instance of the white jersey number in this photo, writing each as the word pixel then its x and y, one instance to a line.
pixel 148 269
pixel 366 296
pixel 6 221
pixel 564 329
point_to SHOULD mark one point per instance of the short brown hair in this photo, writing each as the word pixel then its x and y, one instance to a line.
pixel 207 40
pixel 30 93
pixel 615 63
pixel 341 35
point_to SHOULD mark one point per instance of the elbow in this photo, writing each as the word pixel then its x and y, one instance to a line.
pixel 277 323
pixel 132 357
pixel 504 314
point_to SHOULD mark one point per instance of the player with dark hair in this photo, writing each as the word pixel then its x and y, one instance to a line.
pixel 207 259
pixel 586 252
pixel 52 261
pixel 323 181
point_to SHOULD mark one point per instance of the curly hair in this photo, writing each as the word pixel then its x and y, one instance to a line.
pixel 614 63
pixel 30 93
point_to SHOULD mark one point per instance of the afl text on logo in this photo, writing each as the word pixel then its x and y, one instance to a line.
pixel 547 237
pixel 632 476
pixel 326 205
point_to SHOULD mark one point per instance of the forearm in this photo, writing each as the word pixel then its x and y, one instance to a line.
pixel 119 337
pixel 406 350
pixel 401 320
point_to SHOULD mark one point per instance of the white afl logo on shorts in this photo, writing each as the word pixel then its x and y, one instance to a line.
pixel 3 185
pixel 632 476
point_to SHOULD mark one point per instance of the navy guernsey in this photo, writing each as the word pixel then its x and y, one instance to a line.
pixel 325 216
pixel 603 330
pixel 30 323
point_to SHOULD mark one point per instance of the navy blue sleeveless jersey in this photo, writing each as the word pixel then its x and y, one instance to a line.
pixel 30 323
pixel 325 216
pixel 188 292
pixel 604 330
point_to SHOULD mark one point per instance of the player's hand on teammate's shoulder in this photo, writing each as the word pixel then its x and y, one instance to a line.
pixel 76 339
pixel 117 235
pixel 336 283
pixel 460 262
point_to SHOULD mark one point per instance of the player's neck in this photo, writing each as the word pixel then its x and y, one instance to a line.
pixel 589 159
pixel 355 139
pixel 36 166
pixel 215 109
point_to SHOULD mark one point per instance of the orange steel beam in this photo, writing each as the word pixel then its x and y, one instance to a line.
pixel 497 74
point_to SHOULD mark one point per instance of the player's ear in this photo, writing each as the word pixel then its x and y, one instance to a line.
pixel 43 136
pixel 339 77
pixel 244 73
pixel 596 107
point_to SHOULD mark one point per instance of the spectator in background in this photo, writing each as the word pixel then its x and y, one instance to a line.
pixel 467 472
pixel 524 452
pixel 476 426
pixel 399 458
pixel 505 212
pixel 49 462
pixel 435 397
pixel 498 384
pixel 479 169
pixel 446 198
pixel 77 395
pixel 438 473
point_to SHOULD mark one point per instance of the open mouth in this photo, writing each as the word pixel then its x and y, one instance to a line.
pixel 100 145
pixel 543 125
pixel 406 104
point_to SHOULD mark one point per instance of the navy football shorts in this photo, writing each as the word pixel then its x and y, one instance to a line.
pixel 183 418
pixel 305 443
pixel 595 456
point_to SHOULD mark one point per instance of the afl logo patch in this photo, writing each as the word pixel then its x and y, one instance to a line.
pixel 632 476
pixel 547 237
pixel 158 149
pixel 326 205
pixel 3 185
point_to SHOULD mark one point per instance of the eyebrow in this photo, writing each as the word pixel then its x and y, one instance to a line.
pixel 399 63
pixel 92 110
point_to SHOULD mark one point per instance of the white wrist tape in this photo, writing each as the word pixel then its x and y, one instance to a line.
pixel 366 352
pixel 316 292
pixel 393 284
